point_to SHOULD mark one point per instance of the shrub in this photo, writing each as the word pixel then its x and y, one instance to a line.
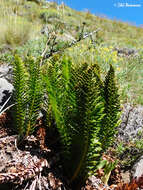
pixel 15 31
pixel 36 1
pixel 47 15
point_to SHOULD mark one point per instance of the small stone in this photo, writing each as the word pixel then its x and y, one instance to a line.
pixel 137 170
pixel 5 90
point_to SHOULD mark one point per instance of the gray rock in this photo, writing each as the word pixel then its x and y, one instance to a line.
pixel 6 86
pixel 126 51
pixel 6 89
pixel 6 72
pixel 95 183
pixel 137 170
pixel 132 123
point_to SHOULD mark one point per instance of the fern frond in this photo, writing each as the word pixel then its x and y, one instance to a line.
pixel 60 97
pixel 91 115
pixel 27 94
pixel 56 111
pixel 20 79
pixel 112 109
pixel 79 102
pixel 34 94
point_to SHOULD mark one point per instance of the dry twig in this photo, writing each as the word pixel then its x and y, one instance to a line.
pixel 52 38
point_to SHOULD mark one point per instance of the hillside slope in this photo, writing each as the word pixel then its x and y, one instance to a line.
pixel 34 15
pixel 117 42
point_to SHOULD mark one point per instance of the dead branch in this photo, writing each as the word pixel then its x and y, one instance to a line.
pixel 53 51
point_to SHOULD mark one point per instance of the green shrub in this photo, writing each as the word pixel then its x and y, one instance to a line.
pixel 36 1
pixel 16 31
pixel 47 15
pixel 32 48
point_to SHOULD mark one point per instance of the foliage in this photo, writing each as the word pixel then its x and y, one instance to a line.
pixel 19 94
pixel 61 99
pixel 112 109
pixel 50 14
pixel 107 167
pixel 76 98
pixel 129 152
pixel 36 1
pixel 16 31
pixel 114 34
pixel 79 103
pixel 27 94
pixel 15 23
pixel 120 148
pixel 84 108
pixel 32 48
pixel 6 58
pixel 90 113
pixel 33 94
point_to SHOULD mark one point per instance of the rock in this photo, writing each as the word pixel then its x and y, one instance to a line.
pixel 6 86
pixel 132 123
pixel 126 51
pixel 125 176
pixel 137 169
pixel 93 183
pixel 5 90
pixel 6 72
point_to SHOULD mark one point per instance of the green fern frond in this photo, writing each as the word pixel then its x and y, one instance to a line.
pixel 90 122
pixel 112 109
pixel 34 94
pixel 20 79
pixel 55 108
pixel 61 99
pixel 27 94
pixel 79 103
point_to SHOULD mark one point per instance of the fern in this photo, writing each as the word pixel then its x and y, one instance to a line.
pixel 77 106
pixel 112 109
pixel 61 100
pixel 90 114
pixel 80 104
pixel 20 80
pixel 57 113
pixel 85 110
pixel 34 94
pixel 27 94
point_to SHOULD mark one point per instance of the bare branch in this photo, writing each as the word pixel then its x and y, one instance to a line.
pixel 84 36
pixel 4 104
pixel 53 51
pixel 4 110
